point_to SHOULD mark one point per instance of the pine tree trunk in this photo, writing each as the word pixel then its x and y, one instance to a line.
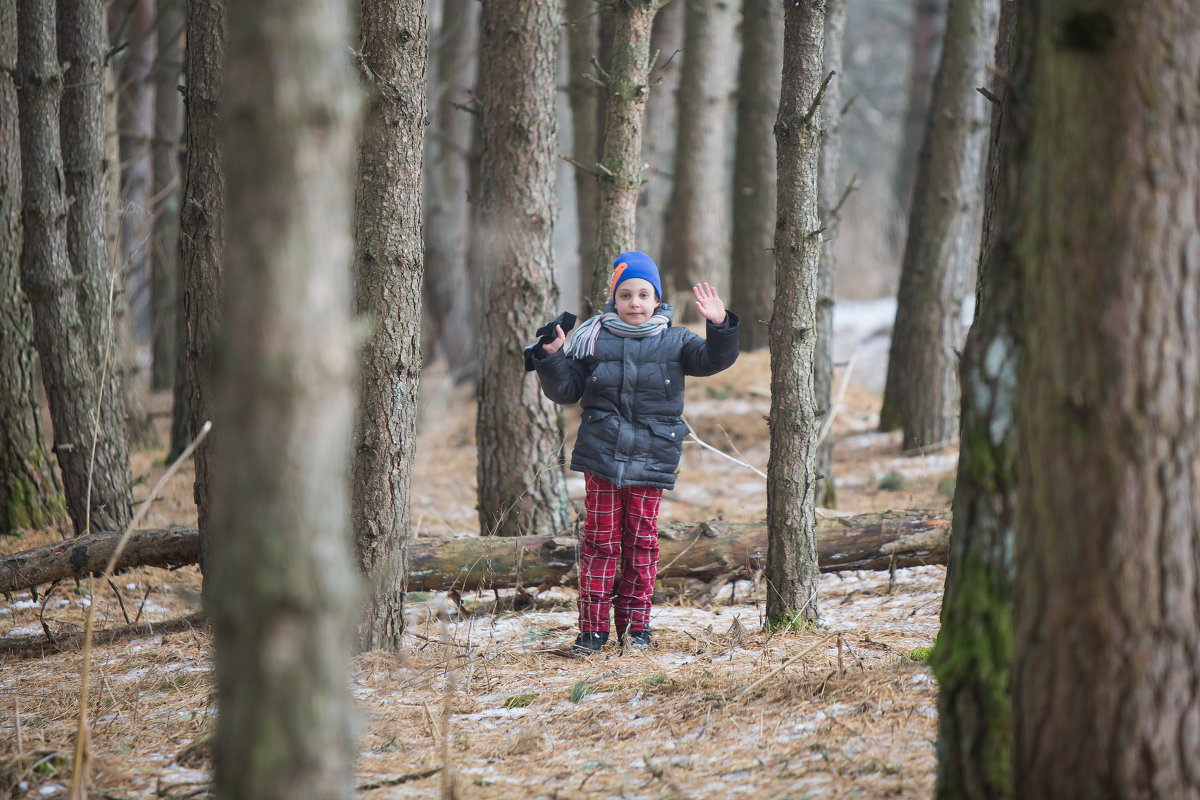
pixel 449 304
pixel 658 139
pixel 389 269
pixel 829 191
pixel 583 31
pixel 791 484
pixel 138 43
pixel 925 43
pixel 59 334
pixel 164 255
pixel 1106 681
pixel 921 393
pixel 30 493
pixel 202 231
pixel 519 434
pixel 697 241
pixel 283 588
pixel 621 166
pixel 753 258
pixel 973 656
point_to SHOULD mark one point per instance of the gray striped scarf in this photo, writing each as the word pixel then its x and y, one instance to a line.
pixel 583 342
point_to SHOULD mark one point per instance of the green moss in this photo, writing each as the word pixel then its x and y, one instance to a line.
pixel 778 623
pixel 519 700
pixel 26 509
pixel 892 482
pixel 921 654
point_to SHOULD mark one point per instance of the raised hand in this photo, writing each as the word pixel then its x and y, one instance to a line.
pixel 709 303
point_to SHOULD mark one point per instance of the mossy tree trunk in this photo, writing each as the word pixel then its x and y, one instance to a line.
pixel 621 165
pixel 752 290
pixel 791 569
pixel 921 392
pixel 283 590
pixel 1106 681
pixel 829 193
pixel 97 487
pixel 30 493
pixel 518 432
pixel 202 229
pixel 973 656
pixel 388 268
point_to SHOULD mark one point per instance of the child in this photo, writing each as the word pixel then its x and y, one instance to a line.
pixel 626 368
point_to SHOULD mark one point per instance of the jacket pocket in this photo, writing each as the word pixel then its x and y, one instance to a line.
pixel 666 443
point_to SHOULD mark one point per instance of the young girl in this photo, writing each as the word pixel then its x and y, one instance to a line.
pixel 626 368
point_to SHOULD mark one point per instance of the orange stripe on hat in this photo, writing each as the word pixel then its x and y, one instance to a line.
pixel 616 278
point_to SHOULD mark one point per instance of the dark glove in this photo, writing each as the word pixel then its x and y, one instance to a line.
pixel 547 334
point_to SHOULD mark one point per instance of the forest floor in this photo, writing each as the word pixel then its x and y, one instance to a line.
pixel 487 703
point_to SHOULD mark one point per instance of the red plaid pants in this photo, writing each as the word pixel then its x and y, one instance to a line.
pixel 622 525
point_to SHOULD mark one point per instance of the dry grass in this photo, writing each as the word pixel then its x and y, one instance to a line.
pixel 493 702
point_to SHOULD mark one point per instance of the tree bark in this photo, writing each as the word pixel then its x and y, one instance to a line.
pixel 973 656
pixel 921 393
pixel 389 270
pixel 68 371
pixel 519 434
pixel 925 43
pixel 164 254
pixel 450 295
pixel 753 284
pixel 658 139
pixel 583 41
pixel 30 492
pixel 202 230
pixel 696 248
pixel 1106 682
pixel 621 165
pixel 829 193
pixel 707 551
pixel 791 570
pixel 282 592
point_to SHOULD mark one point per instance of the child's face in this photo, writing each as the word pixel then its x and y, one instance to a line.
pixel 635 301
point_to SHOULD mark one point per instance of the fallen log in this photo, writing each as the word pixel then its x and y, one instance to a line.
pixel 707 551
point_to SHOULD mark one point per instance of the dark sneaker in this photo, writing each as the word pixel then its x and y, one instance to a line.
pixel 635 639
pixel 588 643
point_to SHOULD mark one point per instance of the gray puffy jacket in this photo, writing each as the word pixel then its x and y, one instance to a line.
pixel 631 392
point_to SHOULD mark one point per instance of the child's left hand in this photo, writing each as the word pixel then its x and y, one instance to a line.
pixel 708 303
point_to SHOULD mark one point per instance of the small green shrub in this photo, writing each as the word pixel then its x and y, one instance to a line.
pixel 921 654
pixel 892 482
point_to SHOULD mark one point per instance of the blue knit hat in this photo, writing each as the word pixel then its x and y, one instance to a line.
pixel 634 264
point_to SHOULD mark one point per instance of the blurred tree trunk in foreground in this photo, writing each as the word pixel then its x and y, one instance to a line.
pixel 164 254
pixel 791 570
pixel 202 229
pixel 283 589
pixel 388 269
pixel 921 394
pixel 752 290
pixel 1106 681
pixel 696 245
pixel 973 656
pixel 30 493
pixel 449 294
pixel 829 192
pixel 620 177
pixel 518 432
pixel 96 485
